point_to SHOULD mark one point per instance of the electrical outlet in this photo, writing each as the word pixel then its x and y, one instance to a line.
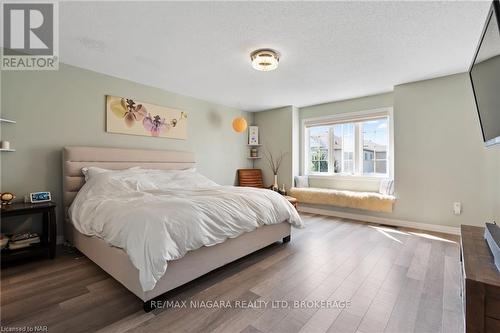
pixel 457 208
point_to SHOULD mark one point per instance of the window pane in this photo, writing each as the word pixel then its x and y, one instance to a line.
pixel 348 166
pixel 368 166
pixel 381 166
pixel 318 148
pixel 337 166
pixel 343 148
pixel 314 166
pixel 337 149
pixel 375 146
pixel 323 166
pixel 323 155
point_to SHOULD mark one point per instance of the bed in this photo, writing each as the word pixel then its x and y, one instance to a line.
pixel 115 260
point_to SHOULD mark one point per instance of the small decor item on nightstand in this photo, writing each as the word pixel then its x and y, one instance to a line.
pixel 253 135
pixel 7 198
pixel 283 190
pixel 274 188
pixel 37 197
pixel 274 164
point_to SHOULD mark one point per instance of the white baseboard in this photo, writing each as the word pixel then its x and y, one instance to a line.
pixel 382 220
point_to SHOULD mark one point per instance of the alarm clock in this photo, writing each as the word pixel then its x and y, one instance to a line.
pixel 37 197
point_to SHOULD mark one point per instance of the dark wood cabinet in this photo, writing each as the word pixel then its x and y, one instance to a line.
pixel 47 245
pixel 480 283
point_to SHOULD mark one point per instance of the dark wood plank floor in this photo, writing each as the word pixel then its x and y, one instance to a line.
pixel 396 280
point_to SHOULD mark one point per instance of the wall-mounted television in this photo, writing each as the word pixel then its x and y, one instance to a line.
pixel 485 77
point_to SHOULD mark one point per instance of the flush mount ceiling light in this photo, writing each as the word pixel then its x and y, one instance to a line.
pixel 265 59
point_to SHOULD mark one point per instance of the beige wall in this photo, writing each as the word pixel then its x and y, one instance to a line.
pixel 67 107
pixel 439 154
pixel 276 134
pixel 351 105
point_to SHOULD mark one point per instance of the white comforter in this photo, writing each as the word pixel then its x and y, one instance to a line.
pixel 157 216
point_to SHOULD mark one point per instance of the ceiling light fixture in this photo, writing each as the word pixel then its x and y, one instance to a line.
pixel 265 59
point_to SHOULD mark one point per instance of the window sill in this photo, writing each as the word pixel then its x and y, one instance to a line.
pixel 349 177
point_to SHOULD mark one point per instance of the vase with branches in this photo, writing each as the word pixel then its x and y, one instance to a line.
pixel 274 164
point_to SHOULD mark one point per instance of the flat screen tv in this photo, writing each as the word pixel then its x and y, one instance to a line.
pixel 485 77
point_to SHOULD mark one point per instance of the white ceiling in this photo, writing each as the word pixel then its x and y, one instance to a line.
pixel 330 50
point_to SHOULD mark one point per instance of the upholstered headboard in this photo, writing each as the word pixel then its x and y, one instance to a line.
pixel 75 158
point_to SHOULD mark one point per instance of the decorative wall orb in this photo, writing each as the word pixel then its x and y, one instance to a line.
pixel 239 124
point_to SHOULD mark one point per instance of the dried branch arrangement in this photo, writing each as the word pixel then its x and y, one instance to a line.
pixel 274 164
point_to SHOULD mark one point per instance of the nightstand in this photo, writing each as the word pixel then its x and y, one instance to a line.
pixel 292 200
pixel 47 243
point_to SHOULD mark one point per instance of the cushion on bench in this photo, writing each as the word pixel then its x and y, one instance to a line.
pixel 372 201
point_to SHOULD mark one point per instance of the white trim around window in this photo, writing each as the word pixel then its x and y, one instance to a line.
pixel 344 118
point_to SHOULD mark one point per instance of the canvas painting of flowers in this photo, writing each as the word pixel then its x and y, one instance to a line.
pixel 128 116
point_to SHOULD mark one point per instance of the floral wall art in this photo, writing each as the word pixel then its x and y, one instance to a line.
pixel 128 116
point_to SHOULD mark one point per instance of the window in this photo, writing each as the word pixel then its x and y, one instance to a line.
pixel 357 144
pixel 375 137
pixel 319 148
pixel 343 148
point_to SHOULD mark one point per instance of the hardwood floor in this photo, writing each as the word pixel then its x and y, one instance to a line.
pixel 396 281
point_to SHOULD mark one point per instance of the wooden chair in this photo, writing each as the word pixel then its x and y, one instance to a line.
pixel 250 178
pixel 253 178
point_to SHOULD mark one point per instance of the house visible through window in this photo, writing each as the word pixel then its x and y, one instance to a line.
pixel 359 146
pixel 319 148
pixel 375 135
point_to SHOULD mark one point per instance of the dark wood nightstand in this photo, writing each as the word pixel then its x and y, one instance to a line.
pixel 292 200
pixel 47 243
pixel 480 282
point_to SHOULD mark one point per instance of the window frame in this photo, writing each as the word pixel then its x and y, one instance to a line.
pixel 356 117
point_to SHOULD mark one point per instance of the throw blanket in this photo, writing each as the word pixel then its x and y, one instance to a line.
pixel 157 216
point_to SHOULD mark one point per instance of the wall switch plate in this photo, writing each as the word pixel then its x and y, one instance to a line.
pixel 457 208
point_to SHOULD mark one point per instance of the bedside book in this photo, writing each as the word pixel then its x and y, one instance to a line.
pixel 23 240
pixel 23 244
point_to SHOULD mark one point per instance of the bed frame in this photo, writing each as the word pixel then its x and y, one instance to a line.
pixel 114 260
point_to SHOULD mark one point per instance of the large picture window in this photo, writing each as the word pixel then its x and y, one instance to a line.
pixel 319 148
pixel 357 146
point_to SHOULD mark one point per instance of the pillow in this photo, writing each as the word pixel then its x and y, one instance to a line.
pixel 154 180
pixel 301 181
pixel 171 170
pixel 189 180
pixel 386 187
pixel 94 171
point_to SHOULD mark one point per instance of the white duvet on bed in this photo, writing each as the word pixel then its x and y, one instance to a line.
pixel 157 216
